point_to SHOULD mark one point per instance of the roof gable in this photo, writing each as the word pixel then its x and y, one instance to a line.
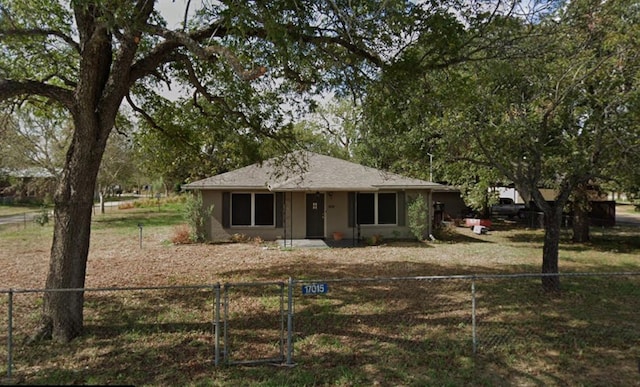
pixel 308 171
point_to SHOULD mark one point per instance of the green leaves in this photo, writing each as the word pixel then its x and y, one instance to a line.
pixel 36 40
pixel 500 99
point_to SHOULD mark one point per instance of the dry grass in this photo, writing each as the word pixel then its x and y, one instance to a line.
pixel 357 335
pixel 116 258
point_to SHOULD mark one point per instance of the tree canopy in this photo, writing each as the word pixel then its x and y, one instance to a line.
pixel 241 62
pixel 555 108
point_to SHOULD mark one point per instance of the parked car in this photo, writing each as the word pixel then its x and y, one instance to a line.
pixel 507 207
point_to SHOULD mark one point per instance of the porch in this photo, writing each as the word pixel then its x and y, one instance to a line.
pixel 318 243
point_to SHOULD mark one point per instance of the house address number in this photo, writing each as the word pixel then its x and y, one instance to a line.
pixel 315 289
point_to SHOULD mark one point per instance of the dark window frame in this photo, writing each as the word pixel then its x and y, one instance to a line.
pixel 369 212
pixel 257 218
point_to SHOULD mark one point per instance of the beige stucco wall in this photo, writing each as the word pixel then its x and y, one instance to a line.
pixel 337 214
pixel 295 219
pixel 341 221
pixel 214 230
pixel 336 218
pixel 213 227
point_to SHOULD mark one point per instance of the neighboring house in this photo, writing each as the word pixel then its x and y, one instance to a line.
pixel 310 196
pixel 26 184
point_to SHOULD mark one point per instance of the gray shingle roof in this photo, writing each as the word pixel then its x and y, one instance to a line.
pixel 308 171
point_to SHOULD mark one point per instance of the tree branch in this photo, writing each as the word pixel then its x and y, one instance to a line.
pixel 44 33
pixel 351 47
pixel 186 15
pixel 157 126
pixel 211 51
pixel 117 87
pixel 165 51
pixel 144 114
pixel 11 89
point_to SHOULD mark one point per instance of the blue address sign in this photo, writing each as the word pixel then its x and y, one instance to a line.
pixel 310 289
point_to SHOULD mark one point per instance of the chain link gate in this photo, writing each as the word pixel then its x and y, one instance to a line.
pixel 253 320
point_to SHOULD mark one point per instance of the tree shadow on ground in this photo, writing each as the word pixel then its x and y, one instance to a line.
pixel 362 331
pixel 624 240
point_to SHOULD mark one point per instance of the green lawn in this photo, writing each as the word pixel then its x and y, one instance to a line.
pixel 6 210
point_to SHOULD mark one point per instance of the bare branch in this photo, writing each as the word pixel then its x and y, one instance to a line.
pixel 186 15
pixel 351 47
pixel 43 33
pixel 193 77
pixel 144 114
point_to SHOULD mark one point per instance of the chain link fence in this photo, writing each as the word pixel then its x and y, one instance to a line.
pixel 254 316
pixel 410 328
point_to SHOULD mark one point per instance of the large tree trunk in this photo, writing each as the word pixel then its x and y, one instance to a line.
pixel 94 113
pixel 550 250
pixel 62 318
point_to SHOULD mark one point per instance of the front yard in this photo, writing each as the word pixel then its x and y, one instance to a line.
pixel 360 335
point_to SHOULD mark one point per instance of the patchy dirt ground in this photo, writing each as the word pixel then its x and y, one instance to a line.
pixel 116 260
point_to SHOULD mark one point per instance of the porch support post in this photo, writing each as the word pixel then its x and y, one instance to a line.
pixel 356 236
pixel 291 222
pixel 431 214
pixel 285 224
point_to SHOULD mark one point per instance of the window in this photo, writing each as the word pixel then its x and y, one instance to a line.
pixel 366 208
pixel 263 210
pixel 377 208
pixel 386 208
pixel 241 209
pixel 252 209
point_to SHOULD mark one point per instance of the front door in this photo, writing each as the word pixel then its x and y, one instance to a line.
pixel 315 215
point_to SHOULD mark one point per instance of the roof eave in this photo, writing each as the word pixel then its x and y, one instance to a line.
pixel 224 187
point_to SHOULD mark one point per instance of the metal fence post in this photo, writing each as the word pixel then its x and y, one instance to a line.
pixel 216 324
pixel 10 334
pixel 474 327
pixel 282 318
pixel 227 358
pixel 290 323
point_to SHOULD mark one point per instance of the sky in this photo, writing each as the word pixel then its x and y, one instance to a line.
pixel 173 13
pixel 173 10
